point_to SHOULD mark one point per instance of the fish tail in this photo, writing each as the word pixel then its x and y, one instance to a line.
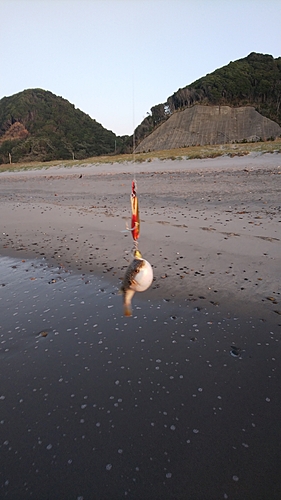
pixel 127 304
pixel 127 310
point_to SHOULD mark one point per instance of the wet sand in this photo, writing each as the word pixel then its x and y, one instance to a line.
pixel 179 401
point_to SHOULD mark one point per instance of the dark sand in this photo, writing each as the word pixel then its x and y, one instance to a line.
pixel 181 401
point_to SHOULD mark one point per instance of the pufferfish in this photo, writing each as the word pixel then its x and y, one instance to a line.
pixel 138 278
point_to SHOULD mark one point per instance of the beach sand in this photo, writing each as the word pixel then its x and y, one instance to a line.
pixel 182 399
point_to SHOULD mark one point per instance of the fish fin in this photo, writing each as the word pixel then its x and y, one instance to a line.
pixel 127 310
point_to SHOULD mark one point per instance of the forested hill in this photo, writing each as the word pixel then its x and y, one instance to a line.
pixel 37 125
pixel 252 81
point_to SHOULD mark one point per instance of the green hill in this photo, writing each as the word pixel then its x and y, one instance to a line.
pixel 38 125
pixel 253 81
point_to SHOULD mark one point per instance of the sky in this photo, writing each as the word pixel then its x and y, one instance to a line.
pixel 115 59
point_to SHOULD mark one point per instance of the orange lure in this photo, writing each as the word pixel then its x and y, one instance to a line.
pixel 135 221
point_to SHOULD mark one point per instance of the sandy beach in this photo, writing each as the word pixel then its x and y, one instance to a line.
pixel 183 399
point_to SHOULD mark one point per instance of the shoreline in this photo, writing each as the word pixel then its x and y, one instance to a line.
pixel 203 226
pixel 251 159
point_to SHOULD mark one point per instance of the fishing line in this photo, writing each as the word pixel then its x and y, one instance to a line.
pixel 133 44
pixel 135 222
pixel 133 198
pixel 139 274
pixel 134 135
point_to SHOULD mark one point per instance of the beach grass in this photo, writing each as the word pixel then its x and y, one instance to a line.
pixel 187 153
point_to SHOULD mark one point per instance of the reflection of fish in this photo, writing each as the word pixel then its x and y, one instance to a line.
pixel 138 278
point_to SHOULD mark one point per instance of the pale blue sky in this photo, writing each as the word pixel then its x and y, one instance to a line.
pixel 115 59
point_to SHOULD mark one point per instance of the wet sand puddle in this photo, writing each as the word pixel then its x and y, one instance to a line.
pixel 179 401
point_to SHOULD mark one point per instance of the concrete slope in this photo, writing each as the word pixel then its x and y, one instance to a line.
pixel 201 125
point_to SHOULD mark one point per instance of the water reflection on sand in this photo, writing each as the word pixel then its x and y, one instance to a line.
pixel 93 405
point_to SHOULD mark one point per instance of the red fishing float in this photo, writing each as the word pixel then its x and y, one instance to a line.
pixel 135 220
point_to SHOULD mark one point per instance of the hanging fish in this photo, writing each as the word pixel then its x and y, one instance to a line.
pixel 138 278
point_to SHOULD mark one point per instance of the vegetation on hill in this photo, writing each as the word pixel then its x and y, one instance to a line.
pixel 254 80
pixel 38 125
